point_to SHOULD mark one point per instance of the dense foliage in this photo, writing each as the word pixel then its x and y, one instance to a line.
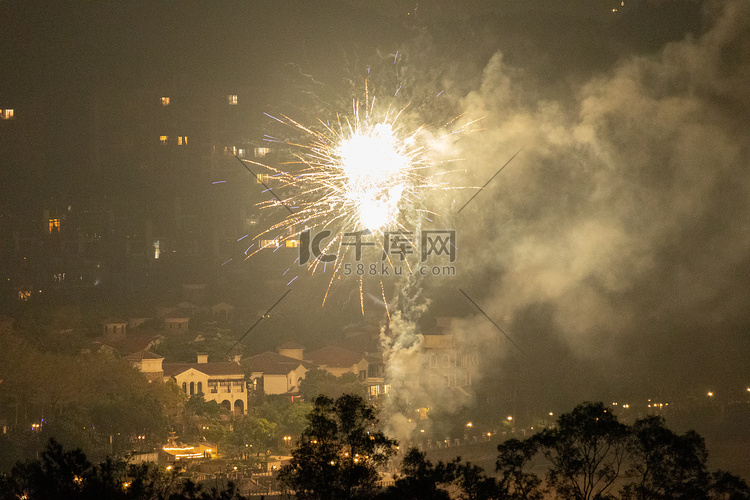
pixel 339 452
pixel 68 475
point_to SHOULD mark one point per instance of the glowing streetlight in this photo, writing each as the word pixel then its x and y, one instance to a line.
pixel 510 418
pixel 710 394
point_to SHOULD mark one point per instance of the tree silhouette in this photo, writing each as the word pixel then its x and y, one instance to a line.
pixel 587 451
pixel 338 453
pixel 666 465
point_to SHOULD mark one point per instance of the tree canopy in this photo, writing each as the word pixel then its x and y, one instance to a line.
pixel 339 451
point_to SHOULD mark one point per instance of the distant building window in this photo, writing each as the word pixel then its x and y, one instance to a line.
pixel 446 360
pixel 292 243
pixel 7 114
pixel 230 150
pixel 182 140
pixel 184 387
pixel 54 225
pixel 24 295
pixel 165 101
pixel 241 153
pixel 232 99
pixel 261 152
pixel 269 243
pixel 163 139
pixel 262 178
pixel 433 361
pixel 157 251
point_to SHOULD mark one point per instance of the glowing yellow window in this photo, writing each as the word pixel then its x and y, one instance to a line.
pixel 163 139
pixel 261 152
pixel 232 99
pixel 182 140
pixel 54 225
pixel 292 243
pixel 6 114
pixel 165 101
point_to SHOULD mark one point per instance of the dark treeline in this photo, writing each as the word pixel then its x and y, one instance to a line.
pixel 588 455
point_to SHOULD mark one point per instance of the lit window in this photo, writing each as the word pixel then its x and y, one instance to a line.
pixel 6 114
pixel 156 249
pixel 292 243
pixel 261 152
pixel 232 99
pixel 241 153
pixel 165 101
pixel 269 243
pixel 24 295
pixel 163 139
pixel 54 225
pixel 230 150
pixel 262 178
pixel 182 140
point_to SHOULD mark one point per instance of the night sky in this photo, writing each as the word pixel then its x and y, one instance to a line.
pixel 614 249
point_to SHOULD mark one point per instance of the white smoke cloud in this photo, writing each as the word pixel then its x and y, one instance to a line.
pixel 627 203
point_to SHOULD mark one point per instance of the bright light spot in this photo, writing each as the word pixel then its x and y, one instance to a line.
pixel 374 164
pixel 510 417
pixel 710 394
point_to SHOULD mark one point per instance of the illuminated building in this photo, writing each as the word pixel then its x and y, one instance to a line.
pixel 276 374
pixel 223 381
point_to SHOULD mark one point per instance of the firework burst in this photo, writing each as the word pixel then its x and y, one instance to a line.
pixel 360 174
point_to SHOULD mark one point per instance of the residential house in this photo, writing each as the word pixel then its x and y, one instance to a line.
pixel 222 381
pixel 338 361
pixel 114 328
pixel 176 323
pixel 222 311
pixel 148 363
pixel 273 373
pixel 447 363
pixel 292 350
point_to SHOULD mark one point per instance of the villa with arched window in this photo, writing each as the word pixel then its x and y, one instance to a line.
pixel 223 381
